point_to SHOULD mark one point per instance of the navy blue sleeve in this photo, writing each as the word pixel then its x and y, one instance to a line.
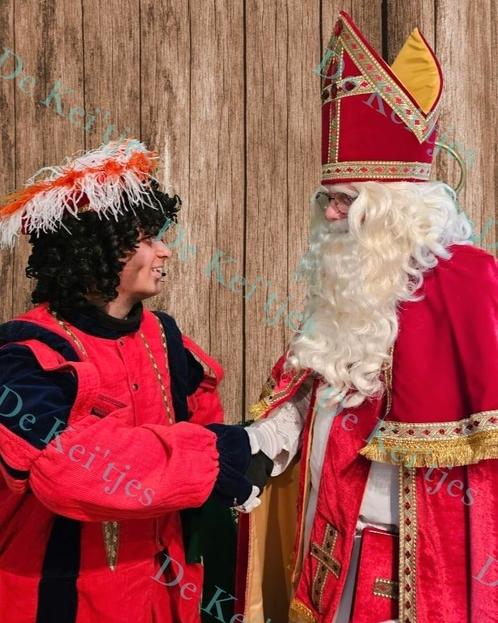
pixel 25 388
pixel 195 373
pixel 185 371
pixel 232 486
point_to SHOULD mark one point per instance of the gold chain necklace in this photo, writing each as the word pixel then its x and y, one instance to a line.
pixel 110 529
pixel 155 367
pixel 157 372
pixel 71 334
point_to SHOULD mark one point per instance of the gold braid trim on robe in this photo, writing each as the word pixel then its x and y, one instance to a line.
pixel 439 444
pixel 268 397
pixel 299 613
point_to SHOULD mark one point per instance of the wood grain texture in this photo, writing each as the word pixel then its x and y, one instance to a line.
pixel 226 92
pixel 48 39
pixel 7 150
pixel 465 39
pixel 204 298
pixel 267 75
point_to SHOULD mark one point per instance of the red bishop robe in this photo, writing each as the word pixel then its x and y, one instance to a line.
pixel 440 416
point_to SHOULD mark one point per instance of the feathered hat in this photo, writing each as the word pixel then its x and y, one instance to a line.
pixel 96 180
pixel 378 121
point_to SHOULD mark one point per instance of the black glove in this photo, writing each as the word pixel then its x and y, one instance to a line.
pixel 259 471
pixel 232 487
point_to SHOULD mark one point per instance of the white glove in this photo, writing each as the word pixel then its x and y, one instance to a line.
pixel 252 502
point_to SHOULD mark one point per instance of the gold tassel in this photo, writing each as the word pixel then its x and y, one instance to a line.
pixel 465 450
pixel 258 409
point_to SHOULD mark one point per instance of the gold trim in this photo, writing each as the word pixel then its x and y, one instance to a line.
pixel 299 613
pixel 155 367
pixel 354 85
pixel 336 49
pixel 71 334
pixel 439 444
pixel 386 588
pixel 389 382
pixel 257 410
pixel 110 532
pixel 407 545
pixel 326 564
pixel 268 388
pixel 338 106
pixel 377 169
pixel 356 91
pixel 394 95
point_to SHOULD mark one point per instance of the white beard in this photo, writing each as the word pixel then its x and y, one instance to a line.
pixel 360 269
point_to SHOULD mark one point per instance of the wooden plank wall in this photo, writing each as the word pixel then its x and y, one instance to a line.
pixel 225 90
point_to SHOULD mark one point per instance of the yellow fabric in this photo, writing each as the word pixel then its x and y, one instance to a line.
pixel 272 530
pixel 416 68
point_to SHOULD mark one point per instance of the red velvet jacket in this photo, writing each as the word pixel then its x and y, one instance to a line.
pixel 444 421
pixel 117 459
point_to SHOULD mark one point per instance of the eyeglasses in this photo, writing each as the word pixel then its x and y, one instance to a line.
pixel 341 198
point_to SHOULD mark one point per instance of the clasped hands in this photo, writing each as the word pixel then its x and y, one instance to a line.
pixel 244 468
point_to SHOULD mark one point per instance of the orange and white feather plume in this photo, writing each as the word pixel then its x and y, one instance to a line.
pixel 96 180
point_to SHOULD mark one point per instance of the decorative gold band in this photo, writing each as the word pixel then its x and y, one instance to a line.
pixel 407 545
pixel 378 170
pixel 110 532
pixel 299 613
pixel 386 588
pixel 440 444
pixel 268 397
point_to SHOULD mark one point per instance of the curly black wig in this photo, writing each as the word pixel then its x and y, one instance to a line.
pixel 86 254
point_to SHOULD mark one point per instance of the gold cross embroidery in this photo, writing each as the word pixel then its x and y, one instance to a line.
pixel 326 563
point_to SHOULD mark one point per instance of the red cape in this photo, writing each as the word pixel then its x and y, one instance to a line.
pixel 444 415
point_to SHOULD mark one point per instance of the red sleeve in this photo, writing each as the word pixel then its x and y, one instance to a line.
pixel 102 469
pixel 87 460
pixel 469 284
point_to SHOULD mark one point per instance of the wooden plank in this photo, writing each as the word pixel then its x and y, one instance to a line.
pixel 217 182
pixel 165 122
pixel 165 111
pixel 282 142
pixel 401 18
pixel 8 95
pixel 329 11
pixel 368 17
pixel 193 111
pixel 464 38
pixel 303 144
pixel 112 70
pixel 49 42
